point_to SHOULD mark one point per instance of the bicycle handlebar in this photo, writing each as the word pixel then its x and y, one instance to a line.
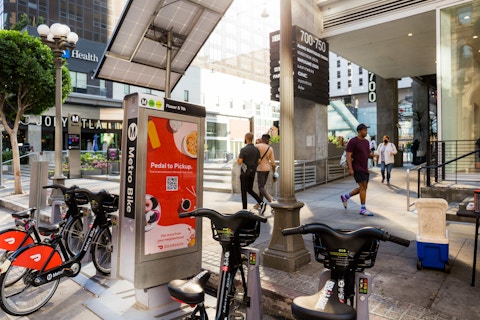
pixel 61 187
pixel 365 232
pixel 209 213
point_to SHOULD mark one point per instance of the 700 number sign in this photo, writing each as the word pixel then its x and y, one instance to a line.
pixel 372 87
pixel 312 41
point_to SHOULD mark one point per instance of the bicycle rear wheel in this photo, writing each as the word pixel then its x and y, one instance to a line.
pixel 102 251
pixel 73 236
pixel 18 296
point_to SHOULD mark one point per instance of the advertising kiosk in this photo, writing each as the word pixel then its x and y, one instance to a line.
pixel 161 172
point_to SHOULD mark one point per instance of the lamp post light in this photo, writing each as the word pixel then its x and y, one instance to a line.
pixel 59 38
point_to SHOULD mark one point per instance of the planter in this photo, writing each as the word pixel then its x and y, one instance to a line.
pixel 91 172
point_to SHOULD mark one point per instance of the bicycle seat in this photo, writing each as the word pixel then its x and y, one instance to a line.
pixel 48 229
pixel 23 214
pixel 323 305
pixel 189 291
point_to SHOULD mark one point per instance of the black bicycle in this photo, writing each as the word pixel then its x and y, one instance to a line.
pixel 344 287
pixel 26 230
pixel 42 265
pixel 233 232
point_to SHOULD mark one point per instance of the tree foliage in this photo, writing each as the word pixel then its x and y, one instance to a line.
pixel 26 21
pixel 27 84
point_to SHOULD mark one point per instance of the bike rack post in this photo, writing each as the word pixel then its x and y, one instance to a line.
pixel 363 292
pixel 254 288
pixel 56 214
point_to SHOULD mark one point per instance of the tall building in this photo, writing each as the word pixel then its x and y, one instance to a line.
pixel 91 19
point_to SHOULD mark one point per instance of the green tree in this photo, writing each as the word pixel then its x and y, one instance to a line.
pixel 26 21
pixel 27 85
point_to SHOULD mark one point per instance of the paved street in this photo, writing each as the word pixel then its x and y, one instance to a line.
pixel 400 291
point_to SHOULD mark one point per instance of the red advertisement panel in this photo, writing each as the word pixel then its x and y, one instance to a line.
pixel 171 180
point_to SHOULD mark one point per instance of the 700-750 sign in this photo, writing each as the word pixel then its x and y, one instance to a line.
pixel 311 40
pixel 372 87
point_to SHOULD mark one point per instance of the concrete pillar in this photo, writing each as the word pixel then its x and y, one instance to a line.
pixel 421 115
pixel 387 113
pixel 286 253
pixel 34 133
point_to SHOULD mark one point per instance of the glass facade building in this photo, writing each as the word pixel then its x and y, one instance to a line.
pixel 459 71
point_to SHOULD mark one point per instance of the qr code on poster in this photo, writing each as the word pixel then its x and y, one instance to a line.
pixel 172 183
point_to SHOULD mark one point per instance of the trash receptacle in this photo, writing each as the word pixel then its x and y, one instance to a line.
pixel 432 237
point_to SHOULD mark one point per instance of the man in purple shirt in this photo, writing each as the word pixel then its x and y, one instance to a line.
pixel 358 153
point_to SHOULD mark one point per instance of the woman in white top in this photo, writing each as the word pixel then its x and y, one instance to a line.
pixel 385 154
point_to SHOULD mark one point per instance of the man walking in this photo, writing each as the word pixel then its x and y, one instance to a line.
pixel 267 163
pixel 248 160
pixel 358 153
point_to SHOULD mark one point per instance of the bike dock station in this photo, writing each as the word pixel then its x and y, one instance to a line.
pixel 160 179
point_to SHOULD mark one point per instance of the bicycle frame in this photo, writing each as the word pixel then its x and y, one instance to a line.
pixel 47 259
pixel 234 232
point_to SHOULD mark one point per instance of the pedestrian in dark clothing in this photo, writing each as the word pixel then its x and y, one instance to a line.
pixel 414 148
pixel 248 160
pixel 358 153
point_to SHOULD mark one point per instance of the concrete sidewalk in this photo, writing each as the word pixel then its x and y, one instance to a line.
pixel 400 291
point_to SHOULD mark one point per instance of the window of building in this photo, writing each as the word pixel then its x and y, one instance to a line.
pixel 339 74
pixel 79 81
pixel 126 89
pixel 339 85
pixel 185 95
pixel 338 63
pixel 349 72
pixel 360 82
pixel 360 70
pixel 103 88
pixel 349 83
pixel 215 129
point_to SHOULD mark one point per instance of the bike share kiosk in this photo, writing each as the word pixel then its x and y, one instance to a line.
pixel 161 172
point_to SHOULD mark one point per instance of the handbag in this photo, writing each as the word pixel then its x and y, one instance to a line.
pixel 343 160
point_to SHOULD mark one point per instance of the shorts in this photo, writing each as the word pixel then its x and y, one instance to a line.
pixel 361 176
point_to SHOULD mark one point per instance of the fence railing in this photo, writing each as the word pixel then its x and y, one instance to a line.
pixel 456 160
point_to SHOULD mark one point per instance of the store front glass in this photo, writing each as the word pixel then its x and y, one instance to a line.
pixel 459 70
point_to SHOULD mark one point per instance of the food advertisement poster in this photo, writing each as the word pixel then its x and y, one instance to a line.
pixel 171 176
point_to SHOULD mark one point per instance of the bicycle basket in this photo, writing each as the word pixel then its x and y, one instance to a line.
pixel 246 235
pixel 364 259
pixel 110 204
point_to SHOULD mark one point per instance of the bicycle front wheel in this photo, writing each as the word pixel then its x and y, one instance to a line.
pixel 73 236
pixel 102 251
pixel 18 296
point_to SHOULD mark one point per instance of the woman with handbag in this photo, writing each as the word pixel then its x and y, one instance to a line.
pixel 385 154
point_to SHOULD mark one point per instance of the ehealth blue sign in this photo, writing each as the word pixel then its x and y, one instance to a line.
pixel 66 54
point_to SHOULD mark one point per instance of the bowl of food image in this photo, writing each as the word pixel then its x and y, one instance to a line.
pixel 190 144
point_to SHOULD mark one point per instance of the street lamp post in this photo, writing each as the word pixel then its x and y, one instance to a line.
pixel 59 38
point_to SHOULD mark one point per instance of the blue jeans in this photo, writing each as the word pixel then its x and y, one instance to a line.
pixel 389 170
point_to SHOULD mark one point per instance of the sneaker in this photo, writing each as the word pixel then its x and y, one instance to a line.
pixel 344 201
pixel 263 207
pixel 256 206
pixel 383 180
pixel 365 213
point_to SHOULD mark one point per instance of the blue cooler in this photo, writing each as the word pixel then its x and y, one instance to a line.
pixel 432 254
pixel 432 237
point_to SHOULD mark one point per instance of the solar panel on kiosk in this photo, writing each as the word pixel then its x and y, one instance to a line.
pixel 137 53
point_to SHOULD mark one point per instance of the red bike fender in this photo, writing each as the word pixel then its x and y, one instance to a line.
pixel 11 239
pixel 35 257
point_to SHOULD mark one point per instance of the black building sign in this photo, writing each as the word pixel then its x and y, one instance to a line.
pixel 310 66
pixel 372 87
